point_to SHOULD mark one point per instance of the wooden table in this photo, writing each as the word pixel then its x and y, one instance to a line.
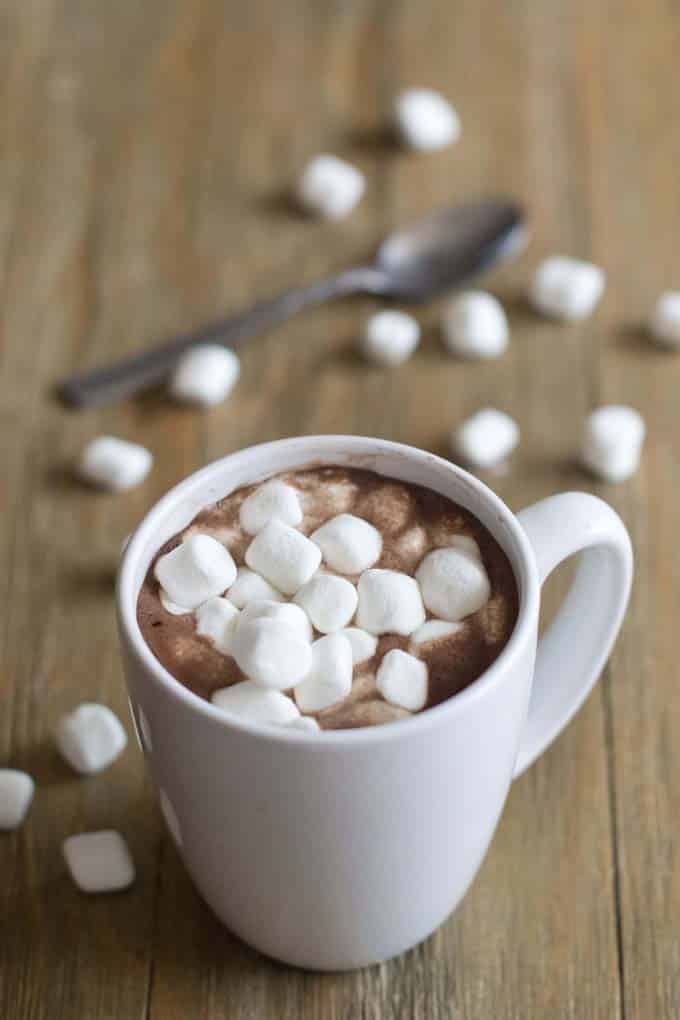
pixel 146 154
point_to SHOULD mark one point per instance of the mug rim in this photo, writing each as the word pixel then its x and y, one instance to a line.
pixel 526 577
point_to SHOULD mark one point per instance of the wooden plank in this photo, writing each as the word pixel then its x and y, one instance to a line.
pixel 634 150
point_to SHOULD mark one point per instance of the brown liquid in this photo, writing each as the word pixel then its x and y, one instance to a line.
pixel 413 520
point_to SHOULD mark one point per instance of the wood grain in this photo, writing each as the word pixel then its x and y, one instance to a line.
pixel 146 158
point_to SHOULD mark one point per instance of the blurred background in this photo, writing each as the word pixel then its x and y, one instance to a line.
pixel 147 157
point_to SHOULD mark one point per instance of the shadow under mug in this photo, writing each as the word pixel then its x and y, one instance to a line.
pixel 339 849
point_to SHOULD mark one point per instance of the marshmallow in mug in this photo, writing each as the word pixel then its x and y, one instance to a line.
pixel 475 325
pixel 287 612
pixel 217 620
pixel 329 601
pixel 389 603
pixel 389 338
pixel 284 556
pixel 205 375
pixel 251 587
pixel 664 322
pixel 453 583
pixel 115 464
pixel 402 680
pixel 425 120
pixel 195 570
pixel 566 288
pixel 271 501
pixel 99 861
pixel 612 442
pixel 486 439
pixel 271 652
pixel 330 187
pixel 349 544
pixel 329 678
pixel 247 700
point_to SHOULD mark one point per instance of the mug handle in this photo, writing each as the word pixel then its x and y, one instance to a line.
pixel 573 650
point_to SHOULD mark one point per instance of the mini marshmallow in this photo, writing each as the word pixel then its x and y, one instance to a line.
pixel 115 464
pixel 287 612
pixel 485 439
pixel 664 323
pixel 425 120
pixel 99 861
pixel 389 338
pixel 330 602
pixel 474 325
pixel 303 722
pixel 566 288
pixel 329 679
pixel 348 544
pixel 612 442
pixel 466 544
pixel 273 501
pixel 205 375
pixel 195 570
pixel 453 583
pixel 434 630
pixel 285 557
pixel 402 680
pixel 251 587
pixel 362 643
pixel 90 738
pixel 271 652
pixel 389 603
pixel 216 620
pixel 330 187
pixel 16 793
pixel 169 606
pixel 246 700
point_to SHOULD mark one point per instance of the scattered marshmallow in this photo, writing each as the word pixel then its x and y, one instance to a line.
pixel 251 587
pixel 486 439
pixel 612 442
pixel 389 338
pixel 273 501
pixel 284 556
pixel 303 722
pixel 169 606
pixel 90 738
pixel 271 652
pixel 453 583
pixel 205 375
pixel 329 679
pixel 362 643
pixel 99 861
pixel 329 601
pixel 425 120
pixel 389 603
pixel 330 187
pixel 113 463
pixel 195 570
pixel 348 544
pixel 16 793
pixel 664 323
pixel 434 630
pixel 566 288
pixel 216 620
pixel 246 700
pixel 402 680
pixel 287 612
pixel 475 325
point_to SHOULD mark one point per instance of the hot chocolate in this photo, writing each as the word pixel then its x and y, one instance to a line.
pixel 329 598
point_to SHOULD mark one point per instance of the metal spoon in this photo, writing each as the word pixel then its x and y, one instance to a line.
pixel 413 264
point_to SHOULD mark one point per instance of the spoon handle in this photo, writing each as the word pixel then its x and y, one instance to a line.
pixel 124 378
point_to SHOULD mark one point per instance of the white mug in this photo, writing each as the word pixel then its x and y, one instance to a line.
pixel 339 849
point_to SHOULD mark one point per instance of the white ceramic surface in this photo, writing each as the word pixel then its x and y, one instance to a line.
pixel 337 850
